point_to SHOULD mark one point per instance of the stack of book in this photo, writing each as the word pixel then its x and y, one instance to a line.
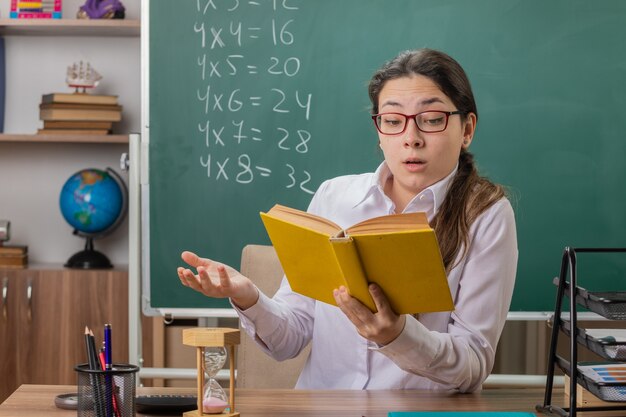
pixel 13 256
pixel 35 9
pixel 78 113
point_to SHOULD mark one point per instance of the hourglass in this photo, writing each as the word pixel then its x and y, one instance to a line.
pixel 211 353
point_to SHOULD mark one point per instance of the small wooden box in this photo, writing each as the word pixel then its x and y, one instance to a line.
pixel 585 398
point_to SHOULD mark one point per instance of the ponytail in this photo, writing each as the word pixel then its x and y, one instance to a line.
pixel 469 195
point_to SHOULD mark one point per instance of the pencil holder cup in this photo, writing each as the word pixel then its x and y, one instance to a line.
pixel 109 393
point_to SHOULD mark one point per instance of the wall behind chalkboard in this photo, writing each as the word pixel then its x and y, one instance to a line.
pixel 257 102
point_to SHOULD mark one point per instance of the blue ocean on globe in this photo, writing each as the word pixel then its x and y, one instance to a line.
pixel 91 201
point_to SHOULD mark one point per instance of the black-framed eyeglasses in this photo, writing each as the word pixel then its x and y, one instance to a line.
pixel 431 121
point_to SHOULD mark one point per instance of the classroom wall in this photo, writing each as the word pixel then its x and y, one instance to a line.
pixel 32 174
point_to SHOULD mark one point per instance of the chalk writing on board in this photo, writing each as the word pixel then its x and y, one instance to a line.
pixel 233 65
pixel 232 131
pixel 245 172
pixel 202 6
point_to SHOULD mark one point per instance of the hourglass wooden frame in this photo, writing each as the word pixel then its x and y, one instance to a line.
pixel 212 337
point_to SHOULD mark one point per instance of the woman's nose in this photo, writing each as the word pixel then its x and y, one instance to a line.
pixel 412 135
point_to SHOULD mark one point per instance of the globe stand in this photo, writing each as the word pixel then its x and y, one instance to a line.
pixel 89 258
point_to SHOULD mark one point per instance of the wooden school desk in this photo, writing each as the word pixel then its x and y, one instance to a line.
pixel 38 400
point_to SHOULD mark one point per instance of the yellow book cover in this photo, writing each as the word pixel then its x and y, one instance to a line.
pixel 79 124
pixel 73 131
pixel 80 114
pixel 81 98
pixel 399 252
pixel 13 261
pixel 81 106
pixel 13 250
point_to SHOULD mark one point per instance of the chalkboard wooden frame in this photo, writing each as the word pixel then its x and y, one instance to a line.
pixel 549 83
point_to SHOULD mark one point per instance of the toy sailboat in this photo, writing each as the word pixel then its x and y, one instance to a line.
pixel 80 76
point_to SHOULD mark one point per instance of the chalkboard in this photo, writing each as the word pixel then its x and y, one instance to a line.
pixel 257 102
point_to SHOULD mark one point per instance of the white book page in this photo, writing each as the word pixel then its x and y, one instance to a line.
pixel 609 335
pixel 605 372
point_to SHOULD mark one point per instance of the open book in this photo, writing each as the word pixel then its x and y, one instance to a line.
pixel 399 252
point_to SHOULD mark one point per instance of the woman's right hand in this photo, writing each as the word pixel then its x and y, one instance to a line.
pixel 218 280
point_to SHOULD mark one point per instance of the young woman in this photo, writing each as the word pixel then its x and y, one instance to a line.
pixel 425 114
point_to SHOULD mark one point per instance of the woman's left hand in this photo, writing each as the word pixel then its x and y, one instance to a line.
pixel 381 327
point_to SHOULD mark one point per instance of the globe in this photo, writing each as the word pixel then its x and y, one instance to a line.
pixel 93 202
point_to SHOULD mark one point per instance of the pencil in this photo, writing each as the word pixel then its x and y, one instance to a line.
pixel 94 365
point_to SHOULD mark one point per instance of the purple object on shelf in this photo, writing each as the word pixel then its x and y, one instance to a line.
pixel 101 9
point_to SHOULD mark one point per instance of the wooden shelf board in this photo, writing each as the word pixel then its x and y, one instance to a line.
pixel 53 266
pixel 70 27
pixel 23 138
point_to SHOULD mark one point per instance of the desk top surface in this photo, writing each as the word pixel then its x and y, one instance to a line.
pixel 38 400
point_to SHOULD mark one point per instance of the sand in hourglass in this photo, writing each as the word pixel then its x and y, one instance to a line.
pixel 213 405
pixel 214 400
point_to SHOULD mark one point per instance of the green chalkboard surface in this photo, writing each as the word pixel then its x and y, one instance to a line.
pixel 253 103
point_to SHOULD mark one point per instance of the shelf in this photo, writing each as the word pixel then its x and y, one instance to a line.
pixel 606 388
pixel 70 27
pixel 606 346
pixel 610 305
pixel 50 266
pixel 595 377
pixel 102 139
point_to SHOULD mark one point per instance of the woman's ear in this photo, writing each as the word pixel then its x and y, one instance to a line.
pixel 469 128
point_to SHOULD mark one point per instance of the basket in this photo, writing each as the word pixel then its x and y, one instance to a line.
pixel 608 304
pixel 608 349
pixel 104 393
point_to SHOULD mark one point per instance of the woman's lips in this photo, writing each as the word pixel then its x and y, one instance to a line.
pixel 414 165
